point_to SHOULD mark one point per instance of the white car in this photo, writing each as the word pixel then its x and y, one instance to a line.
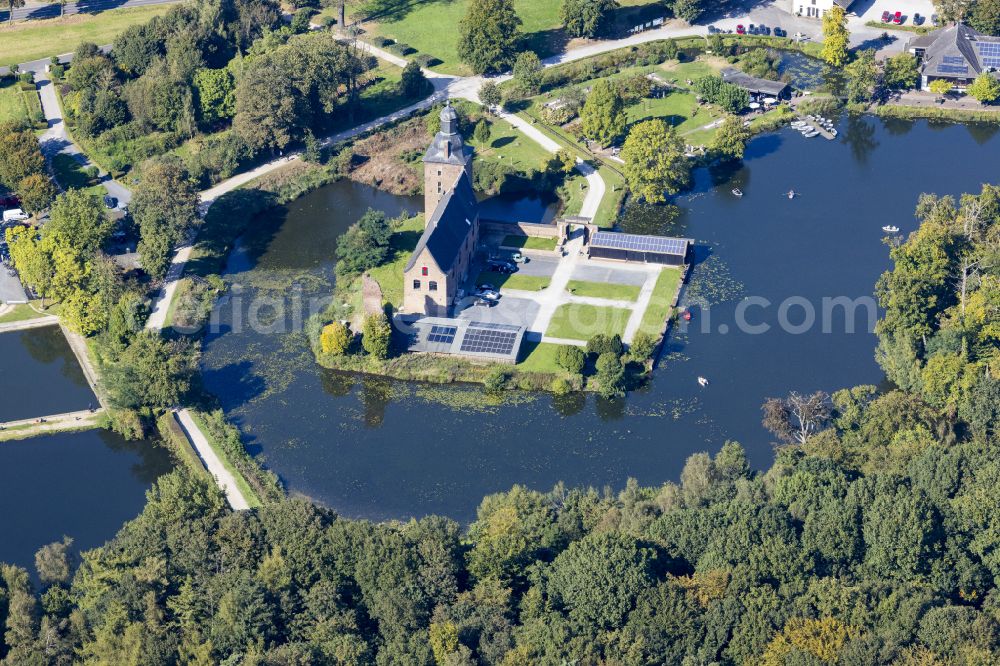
pixel 14 215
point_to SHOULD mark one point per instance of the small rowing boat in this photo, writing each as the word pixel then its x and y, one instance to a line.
pixel 737 192
pixel 702 381
pixel 889 229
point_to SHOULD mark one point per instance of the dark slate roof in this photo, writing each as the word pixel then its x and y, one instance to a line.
pixel 846 4
pixel 449 225
pixel 954 52
pixel 447 146
pixel 752 83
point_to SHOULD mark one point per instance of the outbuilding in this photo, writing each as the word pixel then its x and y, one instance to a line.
pixel 639 248
pixel 755 86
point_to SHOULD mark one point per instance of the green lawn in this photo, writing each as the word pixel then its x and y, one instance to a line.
pixel 16 104
pixel 529 242
pixel 618 292
pixel 509 146
pixel 660 303
pixel 390 274
pixel 539 357
pixel 580 321
pixel 515 281
pixel 431 26
pixel 70 175
pixel 678 109
pixel 21 312
pixel 33 40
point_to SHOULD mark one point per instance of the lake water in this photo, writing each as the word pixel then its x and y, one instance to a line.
pixel 83 485
pixel 383 449
pixel 49 379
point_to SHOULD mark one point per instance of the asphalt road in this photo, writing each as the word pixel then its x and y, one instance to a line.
pixel 51 10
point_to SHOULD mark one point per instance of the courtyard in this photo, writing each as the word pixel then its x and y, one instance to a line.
pixel 568 298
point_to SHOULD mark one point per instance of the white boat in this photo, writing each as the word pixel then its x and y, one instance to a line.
pixel 833 132
pixel 889 229
pixel 737 192
pixel 702 381
pixel 811 134
pixel 798 123
pixel 791 194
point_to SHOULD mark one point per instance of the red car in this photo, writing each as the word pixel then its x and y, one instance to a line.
pixel 886 17
pixel 898 18
pixel 740 30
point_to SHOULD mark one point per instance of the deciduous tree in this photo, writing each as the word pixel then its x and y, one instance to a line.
pixel 655 164
pixel 836 37
pixel 586 18
pixel 603 113
pixel 489 36
pixel 986 88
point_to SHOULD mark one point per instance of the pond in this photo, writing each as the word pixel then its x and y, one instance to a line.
pixel 534 207
pixel 82 485
pixel 48 376
pixel 384 449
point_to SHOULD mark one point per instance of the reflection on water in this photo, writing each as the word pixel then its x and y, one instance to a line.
pixel 49 378
pixel 82 485
pixel 379 448
pixel 538 208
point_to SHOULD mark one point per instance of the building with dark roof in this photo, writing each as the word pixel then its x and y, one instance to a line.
pixel 815 8
pixel 755 86
pixel 957 54
pixel 639 248
pixel 441 260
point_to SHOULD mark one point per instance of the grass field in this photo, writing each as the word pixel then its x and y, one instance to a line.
pixel 34 40
pixel 431 26
pixel 21 312
pixel 618 292
pixel 529 242
pixel 16 104
pixel 540 357
pixel 660 303
pixel 580 321
pixel 390 274
pixel 509 146
pixel 515 281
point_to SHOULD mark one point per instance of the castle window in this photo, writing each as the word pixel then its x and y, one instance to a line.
pixel 439 172
pixel 416 284
pixel 432 285
pixel 439 187
pixel 423 270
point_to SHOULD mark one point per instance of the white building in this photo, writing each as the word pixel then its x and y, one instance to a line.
pixel 816 8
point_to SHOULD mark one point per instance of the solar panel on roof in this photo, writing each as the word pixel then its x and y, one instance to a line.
pixel 493 340
pixel 953 60
pixel 638 243
pixel 444 334
pixel 952 69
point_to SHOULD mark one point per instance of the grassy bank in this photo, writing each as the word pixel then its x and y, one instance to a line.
pixel 18 103
pixel 34 40
pixel 991 115
pixel 661 302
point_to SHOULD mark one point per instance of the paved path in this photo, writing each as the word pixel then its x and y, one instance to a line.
pixel 37 322
pixel 56 138
pixel 212 463
pixel 550 298
pixel 36 10
pixel 47 424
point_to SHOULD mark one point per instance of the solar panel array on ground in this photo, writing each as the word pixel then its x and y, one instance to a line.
pixel 444 334
pixel 639 243
pixel 486 338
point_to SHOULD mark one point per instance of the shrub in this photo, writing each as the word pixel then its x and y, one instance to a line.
pixel 376 335
pixel 605 344
pixel 27 78
pixel 57 71
pixel 326 21
pixel 335 339
pixel 401 49
pixel 571 359
pixel 610 375
pixel 642 346
pixel 301 20
pixel 496 380
pixel 381 42
pixel 412 83
pixel 425 60
pixel 560 386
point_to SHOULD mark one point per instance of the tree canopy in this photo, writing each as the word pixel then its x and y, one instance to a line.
pixel 489 36
pixel 655 164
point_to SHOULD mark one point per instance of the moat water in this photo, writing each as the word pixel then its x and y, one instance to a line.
pixel 377 448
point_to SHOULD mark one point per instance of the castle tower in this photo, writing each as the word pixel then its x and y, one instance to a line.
pixel 445 160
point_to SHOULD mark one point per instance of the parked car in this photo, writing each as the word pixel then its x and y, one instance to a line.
pixel 764 30
pixel 886 17
pixel 519 258
pixel 14 215
pixel 740 30
pixel 488 294
pixel 504 267
pixel 712 30
pixel 110 201
pixel 484 302
pixel 898 18
pixel 917 19
pixel 9 202
pixel 935 19
pixel 486 287
pixel 780 32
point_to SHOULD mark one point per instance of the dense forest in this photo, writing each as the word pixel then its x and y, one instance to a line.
pixel 871 539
